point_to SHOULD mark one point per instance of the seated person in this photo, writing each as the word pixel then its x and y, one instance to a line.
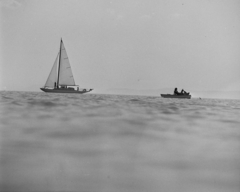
pixel 176 92
pixel 184 92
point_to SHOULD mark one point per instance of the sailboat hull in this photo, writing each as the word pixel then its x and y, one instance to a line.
pixel 62 90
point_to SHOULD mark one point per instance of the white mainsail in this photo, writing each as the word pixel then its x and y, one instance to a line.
pixel 52 78
pixel 65 71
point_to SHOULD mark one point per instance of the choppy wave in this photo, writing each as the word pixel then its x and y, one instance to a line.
pixel 89 142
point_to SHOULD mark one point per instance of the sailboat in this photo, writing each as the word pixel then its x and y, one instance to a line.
pixel 60 79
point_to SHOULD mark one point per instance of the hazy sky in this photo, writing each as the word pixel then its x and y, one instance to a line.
pixel 136 44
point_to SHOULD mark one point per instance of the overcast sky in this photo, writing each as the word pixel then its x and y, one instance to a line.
pixel 135 44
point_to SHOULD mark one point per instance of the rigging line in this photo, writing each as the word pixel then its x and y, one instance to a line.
pixel 59 62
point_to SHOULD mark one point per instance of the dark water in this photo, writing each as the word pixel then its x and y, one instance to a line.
pixel 92 143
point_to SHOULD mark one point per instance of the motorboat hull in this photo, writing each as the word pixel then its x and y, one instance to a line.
pixel 176 96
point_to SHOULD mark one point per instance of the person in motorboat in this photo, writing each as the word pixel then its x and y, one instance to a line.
pixel 176 92
pixel 181 93
pixel 184 92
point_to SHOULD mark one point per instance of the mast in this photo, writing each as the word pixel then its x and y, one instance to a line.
pixel 59 62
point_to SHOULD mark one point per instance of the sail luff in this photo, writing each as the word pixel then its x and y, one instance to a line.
pixel 59 62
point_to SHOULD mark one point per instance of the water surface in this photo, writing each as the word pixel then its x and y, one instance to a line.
pixel 92 143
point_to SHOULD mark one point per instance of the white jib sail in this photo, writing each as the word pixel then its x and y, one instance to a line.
pixel 65 73
pixel 52 78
